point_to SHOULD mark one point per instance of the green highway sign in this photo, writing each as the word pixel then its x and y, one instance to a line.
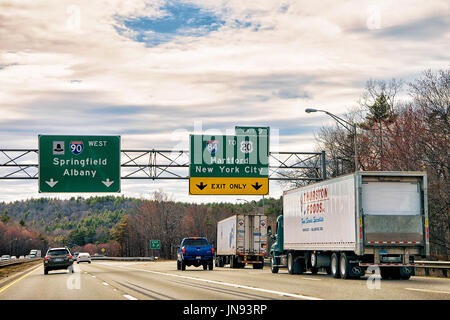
pixel 229 164
pixel 262 131
pixel 155 244
pixel 79 163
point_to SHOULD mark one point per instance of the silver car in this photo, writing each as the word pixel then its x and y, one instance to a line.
pixel 84 257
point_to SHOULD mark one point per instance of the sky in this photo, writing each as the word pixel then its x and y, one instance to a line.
pixel 156 71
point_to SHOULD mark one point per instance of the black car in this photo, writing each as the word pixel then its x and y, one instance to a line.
pixel 58 258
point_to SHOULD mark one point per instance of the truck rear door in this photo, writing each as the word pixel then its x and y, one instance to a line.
pixel 392 212
pixel 259 234
pixel 255 234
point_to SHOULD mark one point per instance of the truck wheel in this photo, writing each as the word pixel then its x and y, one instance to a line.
pixel 178 265
pixel 344 266
pixel 385 272
pixel 258 265
pixel 314 270
pixel 335 265
pixel 295 267
pixel 290 263
pixel 406 272
pixel 183 266
pixel 313 260
pixel 210 265
pixel 273 261
pixel 232 262
pixel 45 271
pixel 395 273
pixel 205 266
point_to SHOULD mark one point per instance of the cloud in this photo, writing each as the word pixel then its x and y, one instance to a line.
pixel 422 30
pixel 149 70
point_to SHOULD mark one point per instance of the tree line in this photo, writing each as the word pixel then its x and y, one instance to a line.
pixel 114 226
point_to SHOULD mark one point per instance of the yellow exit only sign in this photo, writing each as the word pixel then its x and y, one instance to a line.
pixel 228 186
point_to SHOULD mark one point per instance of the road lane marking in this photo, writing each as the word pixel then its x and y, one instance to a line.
pixel 312 279
pixel 105 284
pixel 222 290
pixel 139 291
pixel 280 293
pixel 427 290
pixel 129 297
pixel 17 280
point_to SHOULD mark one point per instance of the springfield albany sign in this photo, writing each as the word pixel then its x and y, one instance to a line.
pixel 79 163
pixel 226 164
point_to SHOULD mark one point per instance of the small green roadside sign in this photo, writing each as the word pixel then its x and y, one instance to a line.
pixel 155 244
pixel 79 163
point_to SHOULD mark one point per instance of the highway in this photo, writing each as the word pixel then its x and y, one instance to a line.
pixel 113 280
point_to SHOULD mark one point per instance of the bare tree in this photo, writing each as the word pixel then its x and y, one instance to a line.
pixel 431 94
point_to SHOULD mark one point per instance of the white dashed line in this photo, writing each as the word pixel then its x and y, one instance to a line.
pixel 312 279
pixel 129 297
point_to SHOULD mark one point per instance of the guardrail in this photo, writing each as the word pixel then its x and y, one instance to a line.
pixel 428 266
pixel 435 264
pixel 17 261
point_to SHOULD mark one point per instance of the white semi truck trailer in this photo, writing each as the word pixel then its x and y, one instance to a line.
pixel 241 240
pixel 356 221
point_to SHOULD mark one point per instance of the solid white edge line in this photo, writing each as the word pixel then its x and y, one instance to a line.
pixel 129 297
pixel 228 284
pixel 428 290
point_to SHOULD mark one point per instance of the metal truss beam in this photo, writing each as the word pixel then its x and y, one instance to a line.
pixel 154 164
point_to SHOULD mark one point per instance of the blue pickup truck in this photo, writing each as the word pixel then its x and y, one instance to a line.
pixel 195 251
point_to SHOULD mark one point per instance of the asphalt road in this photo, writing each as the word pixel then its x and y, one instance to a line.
pixel 162 281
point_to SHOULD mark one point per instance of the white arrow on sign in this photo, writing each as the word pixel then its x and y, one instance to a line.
pixel 51 183
pixel 107 182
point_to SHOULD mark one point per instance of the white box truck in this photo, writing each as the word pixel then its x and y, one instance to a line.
pixel 241 240
pixel 354 222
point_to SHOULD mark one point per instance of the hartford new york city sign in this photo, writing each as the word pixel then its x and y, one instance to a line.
pixel 229 164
